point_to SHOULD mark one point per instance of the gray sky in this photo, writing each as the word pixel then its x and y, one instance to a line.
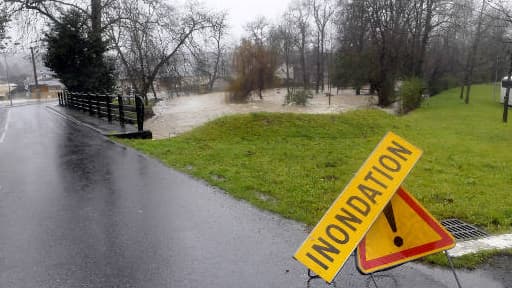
pixel 243 11
pixel 239 13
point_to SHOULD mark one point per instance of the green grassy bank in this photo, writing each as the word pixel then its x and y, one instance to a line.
pixel 296 164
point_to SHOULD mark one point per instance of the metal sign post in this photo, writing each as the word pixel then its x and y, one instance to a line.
pixel 453 268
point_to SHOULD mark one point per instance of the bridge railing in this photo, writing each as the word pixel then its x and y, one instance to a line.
pixel 124 109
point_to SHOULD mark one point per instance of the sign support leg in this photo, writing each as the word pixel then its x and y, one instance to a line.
pixel 373 279
pixel 453 268
pixel 314 276
pixel 311 275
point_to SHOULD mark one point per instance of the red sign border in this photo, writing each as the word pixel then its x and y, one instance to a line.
pixel 446 241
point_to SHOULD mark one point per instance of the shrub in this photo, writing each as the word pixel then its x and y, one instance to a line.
pixel 299 97
pixel 443 83
pixel 239 90
pixel 411 94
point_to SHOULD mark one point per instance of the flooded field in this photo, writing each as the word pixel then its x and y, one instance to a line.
pixel 180 114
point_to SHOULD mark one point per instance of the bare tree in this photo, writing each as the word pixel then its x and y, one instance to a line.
pixel 219 31
pixel 53 10
pixel 3 21
pixel 289 39
pixel 470 64
pixel 503 9
pixel 323 10
pixel 146 38
pixel 300 14
pixel 388 22
pixel 254 69
pixel 258 30
pixel 210 50
pixel 353 64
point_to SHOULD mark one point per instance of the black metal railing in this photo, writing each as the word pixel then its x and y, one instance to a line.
pixel 125 109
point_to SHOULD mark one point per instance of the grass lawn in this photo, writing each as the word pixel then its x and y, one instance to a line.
pixel 296 164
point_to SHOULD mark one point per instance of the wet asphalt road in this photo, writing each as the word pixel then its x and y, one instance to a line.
pixel 77 210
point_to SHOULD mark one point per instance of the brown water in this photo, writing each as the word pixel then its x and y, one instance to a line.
pixel 180 114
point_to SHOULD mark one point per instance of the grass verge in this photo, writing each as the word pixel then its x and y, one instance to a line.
pixel 469 261
pixel 297 164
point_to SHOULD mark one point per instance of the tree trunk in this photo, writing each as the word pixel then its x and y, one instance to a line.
pixel 96 17
pixel 154 91
pixel 287 63
pixel 317 84
pixel 303 59
pixel 217 62
pixel 425 38
pixel 472 53
pixel 322 60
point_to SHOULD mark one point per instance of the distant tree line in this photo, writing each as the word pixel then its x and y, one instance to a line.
pixel 380 43
pixel 319 44
pixel 145 40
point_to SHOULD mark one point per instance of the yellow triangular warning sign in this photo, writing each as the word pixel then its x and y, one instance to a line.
pixel 403 232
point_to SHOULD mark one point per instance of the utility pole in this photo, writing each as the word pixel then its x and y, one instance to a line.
pixel 35 71
pixel 7 75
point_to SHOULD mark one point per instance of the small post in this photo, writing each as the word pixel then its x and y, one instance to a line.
pixel 82 97
pixel 98 105
pixel 68 102
pixel 89 100
pixel 507 94
pixel 139 107
pixel 59 96
pixel 109 108
pixel 71 101
pixel 121 110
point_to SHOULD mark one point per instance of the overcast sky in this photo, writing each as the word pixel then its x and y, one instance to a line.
pixel 243 11
pixel 239 13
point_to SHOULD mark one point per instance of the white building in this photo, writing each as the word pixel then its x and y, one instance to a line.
pixel 4 90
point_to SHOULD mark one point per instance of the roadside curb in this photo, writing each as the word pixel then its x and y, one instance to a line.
pixel 146 134
pixel 503 241
pixel 76 121
pixel 28 103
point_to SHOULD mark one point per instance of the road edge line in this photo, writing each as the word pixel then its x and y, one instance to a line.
pixel 7 118
pixel 74 120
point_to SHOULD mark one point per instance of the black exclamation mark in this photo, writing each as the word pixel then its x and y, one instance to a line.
pixel 390 216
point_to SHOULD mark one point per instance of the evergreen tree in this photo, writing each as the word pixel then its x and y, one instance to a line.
pixel 76 58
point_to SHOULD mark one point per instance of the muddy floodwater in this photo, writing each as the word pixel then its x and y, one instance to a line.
pixel 174 116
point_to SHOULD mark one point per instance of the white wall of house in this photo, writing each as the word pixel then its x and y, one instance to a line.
pixel 4 89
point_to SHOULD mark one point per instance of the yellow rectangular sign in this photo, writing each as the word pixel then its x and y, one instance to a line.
pixel 348 219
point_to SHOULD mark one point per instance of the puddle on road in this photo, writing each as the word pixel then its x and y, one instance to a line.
pixel 500 267
pixel 180 114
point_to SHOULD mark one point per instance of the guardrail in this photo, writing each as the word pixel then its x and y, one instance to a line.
pixel 125 109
